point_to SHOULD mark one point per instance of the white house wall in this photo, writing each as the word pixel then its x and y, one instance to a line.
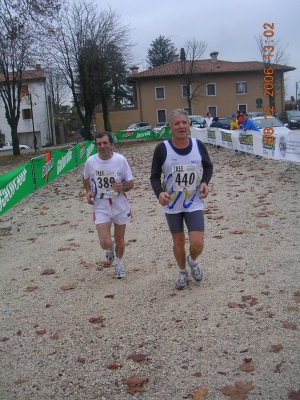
pixel 40 117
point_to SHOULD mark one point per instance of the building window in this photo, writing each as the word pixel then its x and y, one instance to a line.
pixel 184 91
pixel 241 87
pixel 187 110
pixel 24 91
pixel 212 110
pixel 26 113
pixel 211 89
pixel 159 92
pixel 242 107
pixel 161 116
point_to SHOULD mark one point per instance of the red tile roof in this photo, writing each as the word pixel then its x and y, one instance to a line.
pixel 207 67
pixel 29 75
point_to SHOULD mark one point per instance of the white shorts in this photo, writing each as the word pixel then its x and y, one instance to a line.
pixel 116 210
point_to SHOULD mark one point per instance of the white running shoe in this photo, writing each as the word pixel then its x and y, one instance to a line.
pixel 110 253
pixel 119 271
pixel 197 272
pixel 182 280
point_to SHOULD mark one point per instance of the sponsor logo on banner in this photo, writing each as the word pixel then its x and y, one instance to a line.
pixel 142 134
pixel 9 190
pixel 226 139
pixel 246 141
pixel 211 136
pixel 90 149
pixel 48 166
pixel 82 151
pixel 128 133
pixel 61 164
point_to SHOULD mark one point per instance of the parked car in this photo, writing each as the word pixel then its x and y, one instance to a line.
pixel 225 121
pixel 255 114
pixel 292 118
pixel 138 125
pixel 270 122
pixel 197 121
pixel 9 146
pixel 159 126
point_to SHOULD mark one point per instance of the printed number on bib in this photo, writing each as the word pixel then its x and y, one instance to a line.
pixel 105 180
pixel 184 177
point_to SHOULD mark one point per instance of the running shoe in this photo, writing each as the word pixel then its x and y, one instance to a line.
pixel 196 270
pixel 119 271
pixel 110 253
pixel 182 280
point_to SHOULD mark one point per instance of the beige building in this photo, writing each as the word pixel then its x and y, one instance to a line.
pixel 222 88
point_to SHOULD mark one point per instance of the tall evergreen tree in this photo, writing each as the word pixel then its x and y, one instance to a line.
pixel 160 52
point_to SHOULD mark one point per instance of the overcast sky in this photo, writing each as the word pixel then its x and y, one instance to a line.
pixel 228 27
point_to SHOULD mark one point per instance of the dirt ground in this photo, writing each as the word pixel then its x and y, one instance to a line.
pixel 70 330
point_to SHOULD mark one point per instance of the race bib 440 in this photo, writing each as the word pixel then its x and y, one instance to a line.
pixel 184 177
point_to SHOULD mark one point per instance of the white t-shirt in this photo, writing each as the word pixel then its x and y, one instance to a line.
pixel 208 120
pixel 104 173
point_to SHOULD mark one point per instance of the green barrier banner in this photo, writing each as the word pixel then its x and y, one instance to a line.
pixel 164 133
pixel 115 137
pixel 52 164
pixel 139 134
pixel 15 186
pixel 84 150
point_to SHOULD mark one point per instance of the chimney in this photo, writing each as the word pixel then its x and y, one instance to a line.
pixel 134 69
pixel 175 57
pixel 38 67
pixel 214 57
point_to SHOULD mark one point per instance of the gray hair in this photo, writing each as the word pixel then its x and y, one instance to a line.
pixel 177 113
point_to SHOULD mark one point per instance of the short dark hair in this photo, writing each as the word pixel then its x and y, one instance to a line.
pixel 216 119
pixel 105 133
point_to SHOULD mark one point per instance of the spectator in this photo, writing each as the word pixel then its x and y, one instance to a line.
pixel 249 125
pixel 216 123
pixel 241 119
pixel 35 143
pixel 82 133
pixel 208 119
pixel 234 123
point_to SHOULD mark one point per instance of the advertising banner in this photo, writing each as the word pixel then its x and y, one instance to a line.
pixel 288 147
pixel 53 164
pixel 84 150
pixel 227 139
pixel 282 146
pixel 134 135
pixel 165 132
pixel 15 186
pixel 211 136
pixel 246 142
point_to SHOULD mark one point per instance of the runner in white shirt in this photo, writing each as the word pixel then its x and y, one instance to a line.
pixel 107 178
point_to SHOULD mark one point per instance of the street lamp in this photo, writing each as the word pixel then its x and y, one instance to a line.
pixel 297 94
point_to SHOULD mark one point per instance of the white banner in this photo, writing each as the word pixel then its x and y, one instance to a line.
pixel 283 146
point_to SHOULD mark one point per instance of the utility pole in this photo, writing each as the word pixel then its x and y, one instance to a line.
pixel 31 114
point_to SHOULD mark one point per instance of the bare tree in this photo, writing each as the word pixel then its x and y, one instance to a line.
pixel 81 47
pixel 18 34
pixel 191 77
pixel 57 88
pixel 274 58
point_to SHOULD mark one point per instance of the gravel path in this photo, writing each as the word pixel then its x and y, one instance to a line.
pixel 73 334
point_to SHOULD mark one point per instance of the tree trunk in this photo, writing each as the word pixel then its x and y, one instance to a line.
pixel 15 140
pixel 106 120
